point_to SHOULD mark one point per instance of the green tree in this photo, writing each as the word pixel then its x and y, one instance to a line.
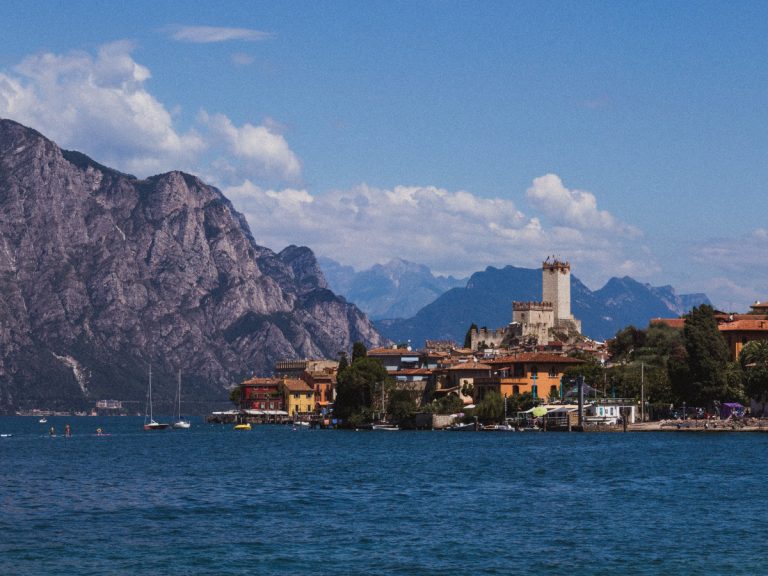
pixel 468 337
pixel 235 395
pixel 356 387
pixel 491 408
pixel 754 362
pixel 448 404
pixel 358 351
pixel 343 362
pixel 713 377
pixel 401 405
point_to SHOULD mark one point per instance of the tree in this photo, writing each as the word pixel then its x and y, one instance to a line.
pixel 448 404
pixel 356 386
pixel 754 362
pixel 358 351
pixel 235 395
pixel 712 375
pixel 468 337
pixel 343 362
pixel 401 405
pixel 490 408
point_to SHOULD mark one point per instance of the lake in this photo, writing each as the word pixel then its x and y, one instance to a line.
pixel 211 500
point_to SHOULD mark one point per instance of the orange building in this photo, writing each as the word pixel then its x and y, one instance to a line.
pixel 536 373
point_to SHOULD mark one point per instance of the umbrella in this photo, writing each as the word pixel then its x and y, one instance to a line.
pixel 538 411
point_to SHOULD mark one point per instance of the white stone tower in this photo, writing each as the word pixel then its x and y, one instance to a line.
pixel 556 283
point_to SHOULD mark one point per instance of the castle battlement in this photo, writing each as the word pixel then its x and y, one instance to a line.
pixel 529 306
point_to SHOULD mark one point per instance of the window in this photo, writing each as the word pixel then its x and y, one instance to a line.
pixel 515 389
pixel 534 370
pixel 552 372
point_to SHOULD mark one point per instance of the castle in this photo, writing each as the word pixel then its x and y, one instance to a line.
pixel 537 321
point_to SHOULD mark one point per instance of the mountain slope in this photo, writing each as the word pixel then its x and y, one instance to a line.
pixel 102 273
pixel 397 289
pixel 487 301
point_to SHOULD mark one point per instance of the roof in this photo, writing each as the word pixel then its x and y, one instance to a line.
pixel 392 352
pixel 293 385
pixel 671 322
pixel 538 357
pixel 412 371
pixel 744 326
pixel 261 382
pixel 470 366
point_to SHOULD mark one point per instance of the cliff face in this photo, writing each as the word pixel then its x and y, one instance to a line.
pixel 102 273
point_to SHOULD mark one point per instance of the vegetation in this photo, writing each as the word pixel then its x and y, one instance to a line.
pixel 468 337
pixel 235 394
pixel 356 387
pixel 690 366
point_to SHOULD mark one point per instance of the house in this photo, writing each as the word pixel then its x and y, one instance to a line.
pixel 323 383
pixel 537 373
pixel 298 397
pixel 261 394
pixel 394 359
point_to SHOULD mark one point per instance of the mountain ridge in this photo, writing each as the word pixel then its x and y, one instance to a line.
pixel 102 274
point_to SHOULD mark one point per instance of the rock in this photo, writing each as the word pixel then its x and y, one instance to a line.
pixel 102 273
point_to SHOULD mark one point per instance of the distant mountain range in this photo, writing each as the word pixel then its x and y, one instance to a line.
pixel 487 297
pixel 102 273
pixel 397 289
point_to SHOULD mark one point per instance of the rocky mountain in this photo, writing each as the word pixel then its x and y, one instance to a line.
pixel 102 274
pixel 397 289
pixel 487 301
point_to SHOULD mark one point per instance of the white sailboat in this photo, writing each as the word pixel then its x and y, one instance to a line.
pixel 179 422
pixel 149 421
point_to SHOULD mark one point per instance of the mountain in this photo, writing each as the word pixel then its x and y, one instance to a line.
pixel 102 274
pixel 397 289
pixel 487 301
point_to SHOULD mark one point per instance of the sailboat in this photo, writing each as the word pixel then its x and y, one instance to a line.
pixel 179 422
pixel 151 424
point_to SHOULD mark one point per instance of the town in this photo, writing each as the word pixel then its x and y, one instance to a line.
pixel 537 373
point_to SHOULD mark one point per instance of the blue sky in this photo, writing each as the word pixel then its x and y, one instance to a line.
pixel 626 137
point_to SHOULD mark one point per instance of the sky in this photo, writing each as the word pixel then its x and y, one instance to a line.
pixel 628 138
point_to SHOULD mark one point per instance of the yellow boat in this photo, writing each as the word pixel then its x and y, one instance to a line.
pixel 245 426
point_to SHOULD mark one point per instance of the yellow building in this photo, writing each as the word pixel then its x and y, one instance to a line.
pixel 299 397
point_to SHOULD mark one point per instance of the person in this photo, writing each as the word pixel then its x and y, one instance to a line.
pixel 67 431
pixel 99 431
pixel 52 431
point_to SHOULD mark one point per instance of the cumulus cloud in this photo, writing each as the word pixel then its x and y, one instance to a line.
pixel 260 148
pixel 453 232
pixel 209 34
pixel 99 104
pixel 735 270
pixel 574 208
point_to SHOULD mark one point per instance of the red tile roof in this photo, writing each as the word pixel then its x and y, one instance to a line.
pixel 469 366
pixel 744 326
pixel 540 357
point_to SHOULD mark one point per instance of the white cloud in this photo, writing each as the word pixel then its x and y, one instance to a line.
pixel 576 208
pixel 210 34
pixel 453 232
pixel 100 105
pixel 260 148
pixel 735 273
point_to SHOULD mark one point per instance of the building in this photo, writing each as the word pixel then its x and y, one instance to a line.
pixel 533 320
pixel 537 322
pixel 298 397
pixel 556 288
pixel 536 373
pixel 261 394
pixel 323 383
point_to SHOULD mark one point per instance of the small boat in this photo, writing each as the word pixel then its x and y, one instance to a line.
pixel 179 423
pixel 43 420
pixel 470 427
pixel 5 435
pixel 386 427
pixel 243 426
pixel 149 421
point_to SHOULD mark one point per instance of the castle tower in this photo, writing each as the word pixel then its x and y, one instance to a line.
pixel 556 282
pixel 556 288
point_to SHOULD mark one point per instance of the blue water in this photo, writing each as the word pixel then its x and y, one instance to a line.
pixel 211 500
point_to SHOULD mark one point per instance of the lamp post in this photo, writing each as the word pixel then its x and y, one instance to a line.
pixel 533 388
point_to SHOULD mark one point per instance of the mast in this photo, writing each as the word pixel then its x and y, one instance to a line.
pixel 151 419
